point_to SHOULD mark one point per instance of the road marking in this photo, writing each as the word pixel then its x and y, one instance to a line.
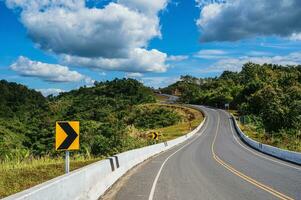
pixel 258 154
pixel 152 192
pixel 254 151
pixel 243 176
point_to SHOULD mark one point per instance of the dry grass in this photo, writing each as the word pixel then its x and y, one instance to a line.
pixel 161 98
pixel 15 177
pixel 191 119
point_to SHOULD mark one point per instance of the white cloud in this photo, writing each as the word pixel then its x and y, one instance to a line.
pixel 157 82
pixel 145 6
pixel 49 91
pixel 235 64
pixel 176 58
pixel 258 53
pixel 202 3
pixel 48 72
pixel 139 60
pixel 108 38
pixel 211 54
pixel 295 36
pixel 134 75
pixel 241 19
pixel 69 27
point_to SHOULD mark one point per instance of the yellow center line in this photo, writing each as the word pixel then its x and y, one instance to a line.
pixel 243 176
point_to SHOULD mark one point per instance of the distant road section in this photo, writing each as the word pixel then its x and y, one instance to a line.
pixel 171 98
pixel 214 164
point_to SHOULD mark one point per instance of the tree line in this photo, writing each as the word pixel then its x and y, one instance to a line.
pixel 269 94
pixel 106 111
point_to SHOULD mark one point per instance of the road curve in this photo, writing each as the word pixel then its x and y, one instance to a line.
pixel 215 165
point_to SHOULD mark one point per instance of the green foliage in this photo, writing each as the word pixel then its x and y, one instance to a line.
pixel 146 118
pixel 271 92
pixel 27 119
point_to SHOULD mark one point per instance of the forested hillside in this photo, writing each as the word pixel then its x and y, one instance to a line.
pixel 114 116
pixel 106 111
pixel 268 95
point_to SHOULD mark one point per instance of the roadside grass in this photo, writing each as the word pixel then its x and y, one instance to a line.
pixel 282 140
pixel 161 98
pixel 17 175
pixel 191 119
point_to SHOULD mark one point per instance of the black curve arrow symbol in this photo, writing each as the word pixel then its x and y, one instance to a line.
pixel 155 136
pixel 71 135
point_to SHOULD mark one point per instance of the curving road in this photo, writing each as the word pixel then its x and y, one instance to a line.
pixel 215 165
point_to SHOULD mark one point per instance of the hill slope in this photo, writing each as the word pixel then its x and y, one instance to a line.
pixel 105 111
pixel 268 96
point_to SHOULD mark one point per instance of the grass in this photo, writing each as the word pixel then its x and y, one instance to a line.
pixel 191 119
pixel 281 140
pixel 161 98
pixel 16 176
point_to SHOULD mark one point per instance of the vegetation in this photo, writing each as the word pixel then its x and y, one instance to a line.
pixel 114 116
pixel 191 118
pixel 268 95
pixel 15 177
pixel 147 117
pixel 27 118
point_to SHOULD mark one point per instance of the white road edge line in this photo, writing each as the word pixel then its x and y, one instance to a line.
pixel 152 192
pixel 254 151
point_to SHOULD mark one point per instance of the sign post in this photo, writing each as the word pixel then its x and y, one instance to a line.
pixel 67 162
pixel 227 106
pixel 67 138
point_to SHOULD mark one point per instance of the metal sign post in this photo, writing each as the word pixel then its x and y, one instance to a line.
pixel 67 162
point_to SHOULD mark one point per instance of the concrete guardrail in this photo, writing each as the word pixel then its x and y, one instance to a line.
pixel 90 182
pixel 290 156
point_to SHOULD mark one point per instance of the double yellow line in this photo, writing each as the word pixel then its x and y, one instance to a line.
pixel 243 176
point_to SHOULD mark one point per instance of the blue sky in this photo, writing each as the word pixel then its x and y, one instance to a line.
pixel 60 46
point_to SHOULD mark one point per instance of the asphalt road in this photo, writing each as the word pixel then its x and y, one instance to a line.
pixel 215 165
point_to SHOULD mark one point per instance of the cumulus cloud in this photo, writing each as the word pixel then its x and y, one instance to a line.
pixel 259 53
pixel 235 64
pixel 134 75
pixel 211 54
pixel 70 27
pixel 50 91
pixel 108 38
pixel 158 82
pixel 177 58
pixel 241 19
pixel 139 60
pixel 295 36
pixel 145 6
pixel 48 72
pixel 202 3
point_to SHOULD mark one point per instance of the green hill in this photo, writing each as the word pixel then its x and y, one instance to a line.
pixel 105 111
pixel 268 96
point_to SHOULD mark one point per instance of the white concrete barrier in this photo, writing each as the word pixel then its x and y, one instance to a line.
pixel 90 182
pixel 291 156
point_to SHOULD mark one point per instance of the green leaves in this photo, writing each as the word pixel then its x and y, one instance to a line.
pixel 151 118
pixel 271 92
pixel 27 118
